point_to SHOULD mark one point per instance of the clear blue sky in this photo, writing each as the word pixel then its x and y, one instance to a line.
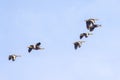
pixel 57 24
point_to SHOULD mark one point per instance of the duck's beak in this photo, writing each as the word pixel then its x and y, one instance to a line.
pixel 100 25
pixel 18 55
pixel 42 48
pixel 96 19
pixel 83 41
pixel 90 33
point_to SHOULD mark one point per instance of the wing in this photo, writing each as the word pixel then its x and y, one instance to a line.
pixel 81 36
pixel 13 58
pixel 75 45
pixel 9 57
pixel 30 49
pixel 38 44
pixel 92 28
pixel 79 45
pixel 88 23
pixel 86 35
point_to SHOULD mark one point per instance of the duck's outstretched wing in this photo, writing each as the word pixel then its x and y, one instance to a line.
pixel 38 44
pixel 92 29
pixel 9 57
pixel 81 36
pixel 94 26
pixel 76 45
pixel 30 48
pixel 88 23
pixel 13 57
pixel 86 35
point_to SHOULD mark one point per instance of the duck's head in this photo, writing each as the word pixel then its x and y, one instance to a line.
pixel 18 55
pixel 90 33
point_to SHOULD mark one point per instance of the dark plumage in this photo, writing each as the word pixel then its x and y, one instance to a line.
pixel 37 45
pixel 30 48
pixel 90 22
pixel 84 35
pixel 94 26
pixel 78 44
pixel 34 47
pixel 13 57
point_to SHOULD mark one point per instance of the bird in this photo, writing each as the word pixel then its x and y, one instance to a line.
pixel 85 35
pixel 93 27
pixel 35 47
pixel 90 22
pixel 78 44
pixel 13 57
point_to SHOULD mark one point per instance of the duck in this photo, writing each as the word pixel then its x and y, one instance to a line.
pixel 35 47
pixel 85 35
pixel 78 44
pixel 13 57
pixel 90 22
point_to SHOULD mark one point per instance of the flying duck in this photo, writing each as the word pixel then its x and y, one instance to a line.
pixel 13 57
pixel 85 35
pixel 78 44
pixel 90 22
pixel 34 47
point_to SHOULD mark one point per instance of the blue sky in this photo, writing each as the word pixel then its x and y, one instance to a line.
pixel 57 24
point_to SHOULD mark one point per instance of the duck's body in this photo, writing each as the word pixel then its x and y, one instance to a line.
pixel 78 44
pixel 34 47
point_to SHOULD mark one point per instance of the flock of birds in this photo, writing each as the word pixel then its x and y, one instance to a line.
pixel 90 25
pixel 30 48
